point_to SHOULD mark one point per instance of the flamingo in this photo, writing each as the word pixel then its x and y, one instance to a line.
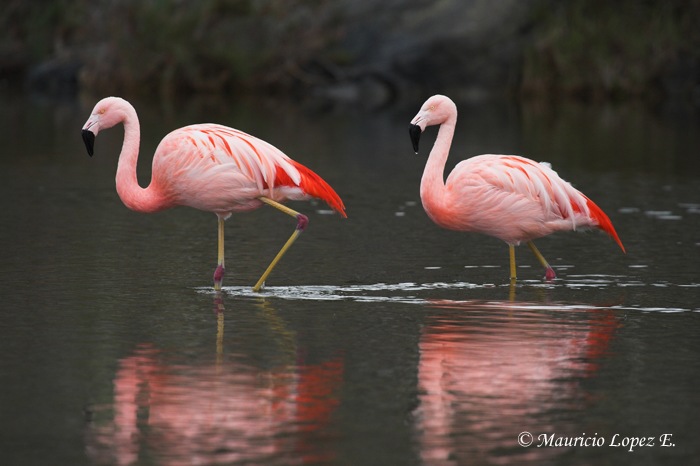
pixel 209 167
pixel 509 197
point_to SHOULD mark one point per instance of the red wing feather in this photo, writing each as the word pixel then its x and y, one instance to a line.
pixel 604 222
pixel 313 185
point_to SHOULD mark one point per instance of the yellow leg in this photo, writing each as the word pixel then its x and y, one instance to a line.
pixel 302 221
pixel 549 271
pixel 513 275
pixel 279 206
pixel 219 272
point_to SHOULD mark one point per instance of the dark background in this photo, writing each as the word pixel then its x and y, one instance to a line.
pixel 370 52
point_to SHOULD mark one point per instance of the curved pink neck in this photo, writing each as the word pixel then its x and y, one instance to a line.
pixel 130 192
pixel 432 187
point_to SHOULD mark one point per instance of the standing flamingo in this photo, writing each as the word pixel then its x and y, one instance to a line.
pixel 506 196
pixel 212 168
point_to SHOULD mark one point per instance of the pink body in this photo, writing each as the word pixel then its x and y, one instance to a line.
pixel 209 167
pixel 509 197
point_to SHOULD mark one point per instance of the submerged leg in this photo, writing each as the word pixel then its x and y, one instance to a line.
pixel 549 271
pixel 511 249
pixel 219 272
pixel 302 221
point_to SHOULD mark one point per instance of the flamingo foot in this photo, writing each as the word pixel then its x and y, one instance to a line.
pixel 218 277
pixel 549 274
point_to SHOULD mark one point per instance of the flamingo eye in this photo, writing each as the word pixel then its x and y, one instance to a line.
pixel 431 108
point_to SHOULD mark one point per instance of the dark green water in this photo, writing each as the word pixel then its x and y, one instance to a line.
pixel 380 339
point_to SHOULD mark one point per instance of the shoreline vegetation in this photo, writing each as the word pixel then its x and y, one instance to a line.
pixel 589 50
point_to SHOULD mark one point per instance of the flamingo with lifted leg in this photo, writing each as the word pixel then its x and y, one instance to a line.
pixel 209 167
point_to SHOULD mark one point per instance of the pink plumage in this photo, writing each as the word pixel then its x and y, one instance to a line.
pixel 209 167
pixel 506 196
pixel 266 170
pixel 223 170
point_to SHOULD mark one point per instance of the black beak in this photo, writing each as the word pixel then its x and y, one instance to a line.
pixel 414 131
pixel 89 140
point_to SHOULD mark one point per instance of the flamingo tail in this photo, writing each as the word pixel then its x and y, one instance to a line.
pixel 604 222
pixel 313 185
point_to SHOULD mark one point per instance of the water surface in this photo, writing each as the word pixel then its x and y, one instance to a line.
pixel 379 339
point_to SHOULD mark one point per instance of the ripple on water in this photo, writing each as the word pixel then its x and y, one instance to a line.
pixel 424 294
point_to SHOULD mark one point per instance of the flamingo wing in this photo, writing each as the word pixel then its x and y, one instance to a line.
pixel 534 181
pixel 258 167
pixel 524 181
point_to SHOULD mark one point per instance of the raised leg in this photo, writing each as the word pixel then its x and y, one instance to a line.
pixel 511 249
pixel 549 271
pixel 302 222
pixel 219 272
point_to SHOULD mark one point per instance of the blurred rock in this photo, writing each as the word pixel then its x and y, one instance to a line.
pixel 470 49
pixel 57 77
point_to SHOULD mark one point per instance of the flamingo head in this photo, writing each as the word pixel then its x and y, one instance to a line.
pixel 107 113
pixel 435 111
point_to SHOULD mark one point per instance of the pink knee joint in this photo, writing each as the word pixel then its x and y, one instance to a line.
pixel 302 222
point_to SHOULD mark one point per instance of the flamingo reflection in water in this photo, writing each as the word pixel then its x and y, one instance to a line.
pixel 221 412
pixel 489 371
